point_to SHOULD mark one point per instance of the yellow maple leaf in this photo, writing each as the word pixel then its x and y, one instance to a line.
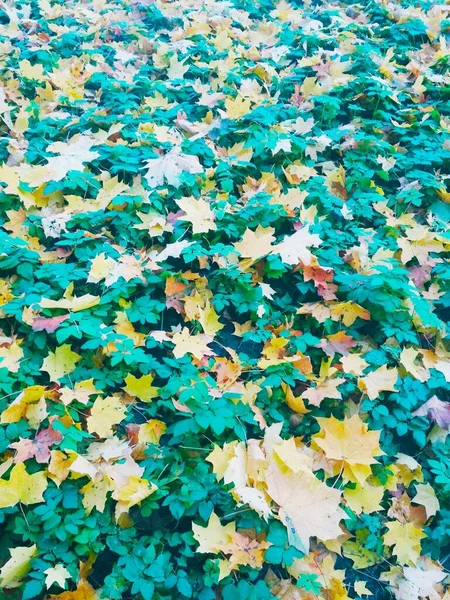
pixel 405 539
pixel 220 458
pixel 151 432
pixel 18 408
pixel 101 268
pixel 237 107
pixel 71 303
pixel 349 312
pixel 380 380
pixel 294 249
pixel 408 357
pixel 22 487
pixel 426 496
pixel 15 569
pixel 140 387
pixel 10 357
pixel 209 320
pixel 29 71
pixel 133 492
pixel 185 343
pixel 256 244
pixel 95 494
pixel 58 467
pixel 215 536
pixel 105 413
pixel 198 213
pixel 364 498
pixel 60 363
pixel 349 446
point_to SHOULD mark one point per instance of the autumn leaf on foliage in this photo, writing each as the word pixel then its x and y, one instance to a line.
pixel 39 447
pixel 405 541
pixel 56 575
pixel 15 569
pixel 48 324
pixel 295 248
pixel 436 410
pixel 105 413
pixel 256 244
pixel 426 496
pixel 380 380
pixel 349 446
pixel 185 343
pixel 308 507
pixel 170 167
pixel 22 487
pixel 140 387
pixel 197 212
pixel 323 389
pixel 61 362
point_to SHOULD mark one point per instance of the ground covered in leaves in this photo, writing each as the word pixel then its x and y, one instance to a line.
pixel 224 288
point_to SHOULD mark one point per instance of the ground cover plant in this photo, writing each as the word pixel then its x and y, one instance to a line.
pixel 224 300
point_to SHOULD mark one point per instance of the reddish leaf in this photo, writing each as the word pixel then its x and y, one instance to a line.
pixel 49 325
pixel 39 447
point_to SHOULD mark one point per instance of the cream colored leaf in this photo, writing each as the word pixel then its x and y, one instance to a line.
pixel 15 569
pixel 308 507
pixel 294 249
pixel 380 380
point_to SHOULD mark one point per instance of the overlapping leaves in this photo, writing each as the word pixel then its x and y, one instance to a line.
pixel 224 300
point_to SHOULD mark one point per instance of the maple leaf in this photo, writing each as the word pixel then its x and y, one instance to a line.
pixel 141 387
pixel 337 343
pixel 426 496
pixel 170 167
pixel 380 380
pixel 349 445
pixel 237 107
pixel 22 487
pixel 60 363
pixel 349 312
pixel 48 324
pixel 101 268
pixel 308 507
pixel 71 303
pixel 436 410
pixel 19 407
pixel 324 389
pixel 151 431
pixel 354 364
pixel 256 244
pixel 209 320
pixel 364 498
pixel 185 343
pixel 39 447
pixel 105 413
pixel 295 248
pixel 10 357
pixel 133 492
pixel 408 357
pixel 198 213
pixel 56 575
pixel 419 583
pixel 15 569
pixel 405 539
pixel 214 536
